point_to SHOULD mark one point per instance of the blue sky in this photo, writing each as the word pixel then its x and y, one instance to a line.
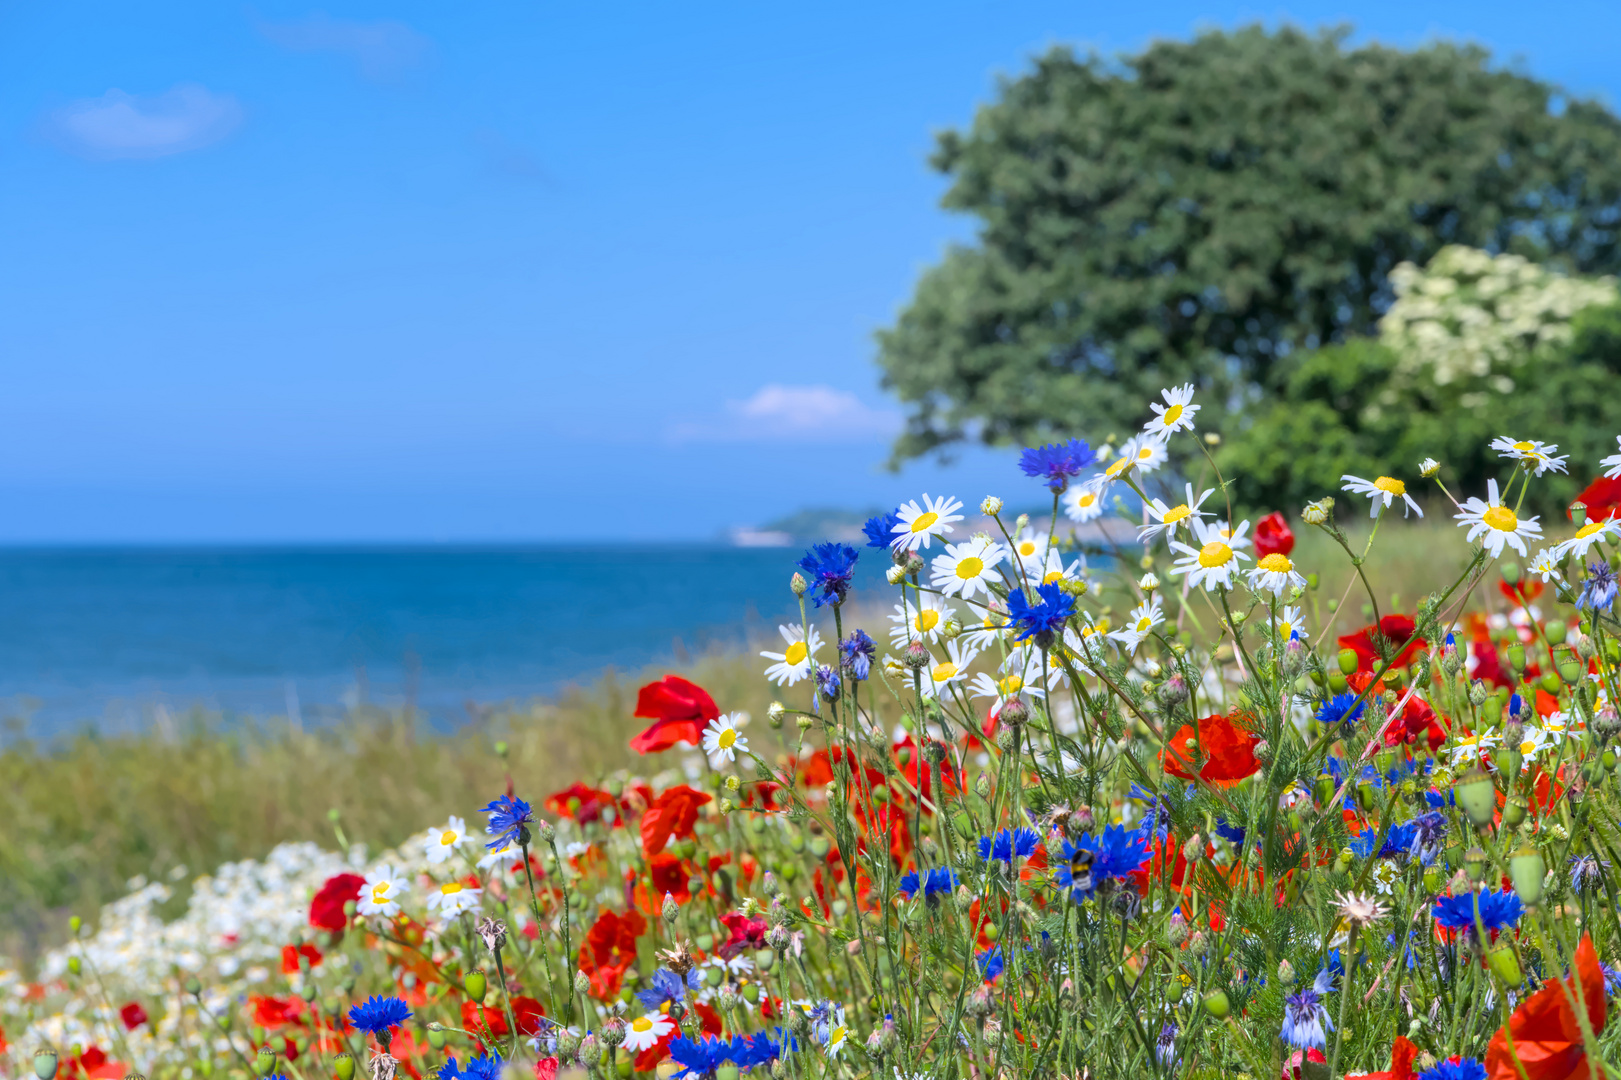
pixel 501 271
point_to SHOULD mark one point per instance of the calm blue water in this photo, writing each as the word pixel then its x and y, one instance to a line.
pixel 120 637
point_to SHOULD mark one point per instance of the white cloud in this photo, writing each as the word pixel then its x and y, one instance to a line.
pixel 777 412
pixel 120 125
pixel 384 50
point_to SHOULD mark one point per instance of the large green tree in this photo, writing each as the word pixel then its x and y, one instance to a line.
pixel 1201 209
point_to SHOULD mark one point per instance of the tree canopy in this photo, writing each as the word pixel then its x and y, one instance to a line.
pixel 1202 209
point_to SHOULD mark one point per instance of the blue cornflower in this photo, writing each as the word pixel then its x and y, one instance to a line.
pixel 376 1015
pixel 667 987
pixel 1057 463
pixel 1305 1018
pixel 935 883
pixel 855 654
pixel 1041 621
pixel 1116 852
pixel 1462 1069
pixel 1498 910
pixel 1598 591
pixel 1233 834
pixel 1612 978
pixel 1586 872
pixel 1429 835
pixel 1338 709
pixel 478 1068
pixel 827 683
pixel 991 963
pixel 509 820
pixel 761 1048
pixel 830 568
pixel 1009 843
pixel 1165 1046
pixel 701 1056
pixel 880 530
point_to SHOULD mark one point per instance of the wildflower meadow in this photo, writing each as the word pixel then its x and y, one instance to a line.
pixel 1076 807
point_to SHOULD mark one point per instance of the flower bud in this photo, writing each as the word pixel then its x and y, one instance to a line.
pixel 45 1064
pixel 1474 865
pixel 895 575
pixel 914 563
pixel 1314 514
pixel 1477 693
pixel 1082 821
pixel 344 1066
pixel 991 506
pixel 590 1049
pixel 1477 796
pixel 1428 467
pixel 1021 522
pixel 1217 1005
pixel 1516 656
pixel 476 983
pixel 672 910
pixel 545 830
pixel 916 656
pixel 1348 662
pixel 1286 973
pixel 1505 965
pixel 1526 871
pixel 612 1033
pixel 265 1063
pixel 1015 712
pixel 582 983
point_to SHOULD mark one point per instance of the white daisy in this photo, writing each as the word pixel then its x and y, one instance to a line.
pixel 953 669
pixel 1166 519
pixel 1288 623
pixel 1030 548
pixel 920 524
pixel 504 857
pixel 644 1032
pixel 1022 675
pixel 1212 564
pixel 1466 748
pixel 1147 452
pixel 1532 453
pixel 965 569
pixel 1139 624
pixel 991 629
pixel 1555 726
pixel 1083 503
pixel 442 843
pixel 721 739
pixel 795 663
pixel 452 898
pixel 1275 573
pixel 1586 537
pixel 837 1034
pixel 1546 564
pixel 1053 568
pixel 923 620
pixel 1496 524
pixel 1534 741
pixel 1613 462
pixel 1386 489
pixel 1238 538
pixel 1177 412
pixel 381 893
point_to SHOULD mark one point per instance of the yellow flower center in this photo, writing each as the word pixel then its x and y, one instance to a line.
pixel 1277 563
pixel 993 621
pixel 1052 576
pixel 1589 529
pixel 1525 447
pixel 447 837
pixel 1011 685
pixel 728 736
pixel 944 671
pixel 796 654
pixel 1529 746
pixel 641 1025
pixel 1215 554
pixel 1175 514
pixel 1027 547
pixel 1500 518
pixel 379 892
pixel 1085 499
pixel 450 888
pixel 926 620
pixel 1118 466
pixel 1173 414
pixel 1145 454
pixel 1144 624
pixel 969 568
pixel 1390 484
pixel 923 521
pixel 1285 629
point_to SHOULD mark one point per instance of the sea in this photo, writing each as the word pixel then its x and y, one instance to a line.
pixel 125 639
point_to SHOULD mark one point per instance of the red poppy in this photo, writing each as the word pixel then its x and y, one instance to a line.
pixel 291 953
pixel 132 1015
pixel 1273 536
pixel 708 1019
pixel 1397 629
pixel 1547 1034
pixel 1417 721
pixel 528 1013
pixel 486 1023
pixel 669 875
pixel 1489 666
pixel 1402 1055
pixel 672 814
pixel 1603 498
pixel 679 710
pixel 546 1069
pixel 93 1063
pixel 583 804
pixel 609 949
pixel 745 933
pixel 1224 751
pixel 1521 594
pixel 275 1012
pixel 920 774
pixel 326 910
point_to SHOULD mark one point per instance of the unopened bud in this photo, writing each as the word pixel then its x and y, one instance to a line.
pixel 991 506
pixel 612 1033
pixel 1428 467
pixel 895 575
pixel 582 983
pixel 672 910
pixel 797 585
pixel 914 563
pixel 1015 712
pixel 916 656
